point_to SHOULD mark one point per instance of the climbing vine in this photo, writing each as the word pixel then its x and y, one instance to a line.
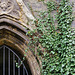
pixel 55 45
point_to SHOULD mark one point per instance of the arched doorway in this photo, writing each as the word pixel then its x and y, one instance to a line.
pixel 14 36
pixel 15 22
pixel 8 59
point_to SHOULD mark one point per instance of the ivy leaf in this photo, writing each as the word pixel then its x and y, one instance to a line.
pixel 52 52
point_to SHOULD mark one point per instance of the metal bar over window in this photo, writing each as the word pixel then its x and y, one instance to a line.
pixel 4 60
pixel 8 62
pixel 13 64
pixel 9 65
pixel 18 67
pixel 23 71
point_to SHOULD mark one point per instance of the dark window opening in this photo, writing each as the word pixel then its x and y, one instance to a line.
pixel 8 56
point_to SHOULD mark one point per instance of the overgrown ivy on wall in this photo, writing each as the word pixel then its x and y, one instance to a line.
pixel 56 45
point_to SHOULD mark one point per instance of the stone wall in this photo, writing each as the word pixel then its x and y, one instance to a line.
pixel 37 5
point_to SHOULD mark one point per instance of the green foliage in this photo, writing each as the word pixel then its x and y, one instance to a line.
pixel 51 5
pixel 59 44
pixel 18 65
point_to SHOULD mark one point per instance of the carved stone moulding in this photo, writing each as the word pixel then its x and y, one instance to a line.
pixel 16 38
pixel 10 8
pixel 6 7
pixel 16 11
pixel 13 28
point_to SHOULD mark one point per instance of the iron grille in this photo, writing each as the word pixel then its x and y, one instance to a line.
pixel 7 62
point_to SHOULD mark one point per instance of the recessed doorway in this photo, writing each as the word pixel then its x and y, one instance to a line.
pixel 8 59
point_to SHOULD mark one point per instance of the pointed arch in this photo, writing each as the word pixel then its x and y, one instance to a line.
pixel 14 36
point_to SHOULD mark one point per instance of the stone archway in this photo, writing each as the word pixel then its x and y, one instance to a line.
pixel 14 17
pixel 15 38
pixel 8 59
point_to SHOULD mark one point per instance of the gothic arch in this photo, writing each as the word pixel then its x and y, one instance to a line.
pixel 16 38
pixel 14 17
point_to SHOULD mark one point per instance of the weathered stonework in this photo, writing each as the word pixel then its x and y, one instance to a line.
pixel 15 21
pixel 16 10
pixel 37 5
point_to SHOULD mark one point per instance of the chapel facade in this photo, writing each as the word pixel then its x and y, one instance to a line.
pixel 15 21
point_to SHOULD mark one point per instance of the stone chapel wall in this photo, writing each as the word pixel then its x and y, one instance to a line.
pixel 37 5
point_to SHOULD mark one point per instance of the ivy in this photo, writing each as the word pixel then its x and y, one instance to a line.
pixel 58 44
